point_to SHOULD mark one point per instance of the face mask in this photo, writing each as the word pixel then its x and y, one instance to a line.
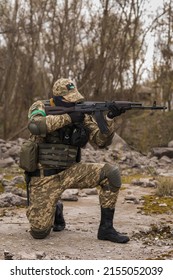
pixel 59 101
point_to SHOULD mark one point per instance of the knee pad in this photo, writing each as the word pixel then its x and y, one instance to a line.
pixel 113 175
pixel 40 234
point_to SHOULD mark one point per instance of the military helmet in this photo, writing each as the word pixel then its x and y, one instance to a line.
pixel 67 89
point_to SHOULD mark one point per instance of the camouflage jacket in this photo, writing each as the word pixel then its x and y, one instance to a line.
pixel 54 122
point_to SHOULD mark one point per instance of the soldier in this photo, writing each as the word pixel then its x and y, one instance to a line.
pixel 60 139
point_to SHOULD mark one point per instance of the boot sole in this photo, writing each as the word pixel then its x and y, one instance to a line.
pixel 113 239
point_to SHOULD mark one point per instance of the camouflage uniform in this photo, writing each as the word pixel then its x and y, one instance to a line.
pixel 45 191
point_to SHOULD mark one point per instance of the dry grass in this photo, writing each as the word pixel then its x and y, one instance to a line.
pixel 165 186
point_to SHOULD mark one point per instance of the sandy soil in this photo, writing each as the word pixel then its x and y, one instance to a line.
pixel 79 239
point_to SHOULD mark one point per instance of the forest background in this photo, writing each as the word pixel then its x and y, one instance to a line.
pixel 102 45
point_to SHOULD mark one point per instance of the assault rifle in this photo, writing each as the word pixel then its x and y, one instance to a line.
pixel 98 108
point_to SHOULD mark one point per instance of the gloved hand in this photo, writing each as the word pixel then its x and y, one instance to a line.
pixel 76 117
pixel 115 111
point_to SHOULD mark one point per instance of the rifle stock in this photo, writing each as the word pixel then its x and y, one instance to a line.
pixel 98 108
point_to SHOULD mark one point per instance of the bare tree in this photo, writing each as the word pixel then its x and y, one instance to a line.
pixel 163 60
pixel 99 46
pixel 19 68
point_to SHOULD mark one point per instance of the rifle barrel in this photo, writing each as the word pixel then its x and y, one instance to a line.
pixel 150 107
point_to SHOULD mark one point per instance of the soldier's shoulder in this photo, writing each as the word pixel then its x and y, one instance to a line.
pixel 39 104
pixel 36 108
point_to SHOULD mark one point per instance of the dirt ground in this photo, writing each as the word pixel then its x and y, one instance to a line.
pixel 79 239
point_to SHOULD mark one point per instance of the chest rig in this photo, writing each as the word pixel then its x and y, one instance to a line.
pixel 62 148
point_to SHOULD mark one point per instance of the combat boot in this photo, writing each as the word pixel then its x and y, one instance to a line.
pixel 59 222
pixel 106 230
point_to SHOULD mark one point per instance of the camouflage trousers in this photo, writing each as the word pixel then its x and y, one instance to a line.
pixel 46 191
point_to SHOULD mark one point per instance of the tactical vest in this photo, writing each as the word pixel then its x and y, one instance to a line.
pixel 61 148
